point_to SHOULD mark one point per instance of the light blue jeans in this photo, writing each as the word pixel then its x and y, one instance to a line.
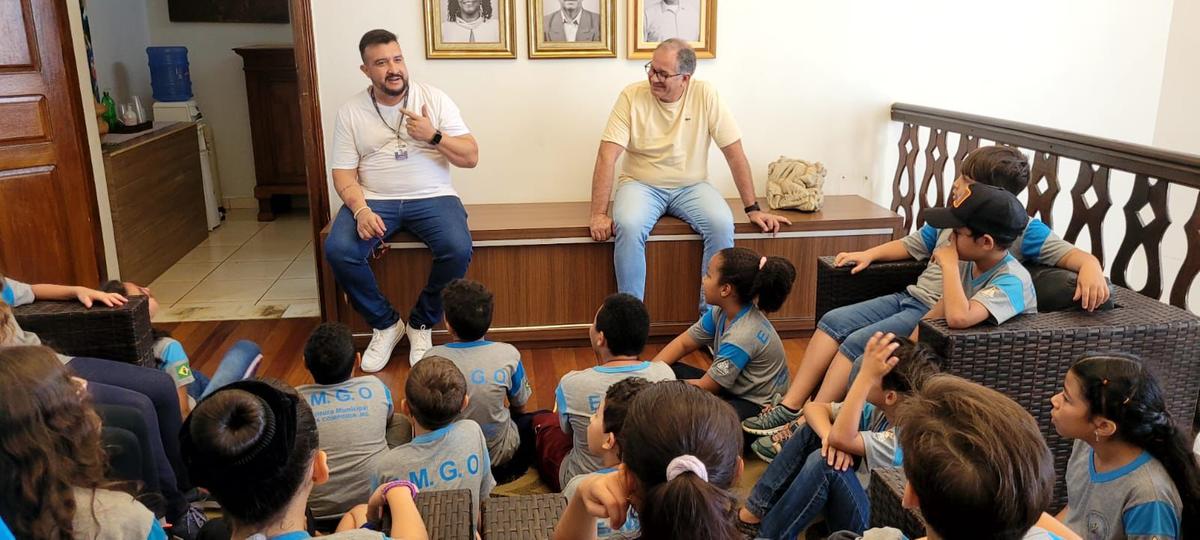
pixel 637 207
pixel 240 362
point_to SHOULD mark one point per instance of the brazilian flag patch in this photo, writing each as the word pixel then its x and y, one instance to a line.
pixel 183 371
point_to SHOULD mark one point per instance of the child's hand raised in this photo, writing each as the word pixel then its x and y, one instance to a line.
pixel 88 296
pixel 605 496
pixel 877 360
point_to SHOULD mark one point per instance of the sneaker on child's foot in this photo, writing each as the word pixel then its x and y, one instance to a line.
pixel 770 420
pixel 767 447
pixel 379 351
pixel 420 340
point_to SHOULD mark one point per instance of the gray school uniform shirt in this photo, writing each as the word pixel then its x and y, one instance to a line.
pixel 1037 244
pixel 102 514
pixel 453 457
pixel 748 357
pixel 881 448
pixel 352 418
pixel 577 397
pixel 17 294
pixel 494 373
pixel 1005 290
pixel 1138 501
pixel 630 530
pixel 889 533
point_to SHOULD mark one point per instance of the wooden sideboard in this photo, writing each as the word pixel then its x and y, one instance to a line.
pixel 156 194
pixel 273 97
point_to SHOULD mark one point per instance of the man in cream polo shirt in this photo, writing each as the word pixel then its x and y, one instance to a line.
pixel 664 126
pixel 393 145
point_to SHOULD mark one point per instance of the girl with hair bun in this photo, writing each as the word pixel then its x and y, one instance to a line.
pixel 254 446
pixel 749 368
pixel 1132 473
pixel 680 457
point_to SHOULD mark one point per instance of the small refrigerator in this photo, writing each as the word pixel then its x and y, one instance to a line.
pixel 188 111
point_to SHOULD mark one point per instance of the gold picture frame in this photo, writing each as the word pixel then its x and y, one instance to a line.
pixel 704 29
pixel 494 30
pixel 597 18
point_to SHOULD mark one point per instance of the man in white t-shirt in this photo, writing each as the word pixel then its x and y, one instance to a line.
pixel 664 126
pixel 393 145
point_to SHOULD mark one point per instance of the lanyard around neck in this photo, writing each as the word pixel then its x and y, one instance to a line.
pixel 403 106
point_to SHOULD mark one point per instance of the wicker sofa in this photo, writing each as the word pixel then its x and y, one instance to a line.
pixel 121 333
pixel 1027 357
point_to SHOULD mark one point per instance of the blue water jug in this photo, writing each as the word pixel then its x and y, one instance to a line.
pixel 169 76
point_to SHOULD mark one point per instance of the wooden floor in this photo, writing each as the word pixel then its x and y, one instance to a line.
pixel 282 342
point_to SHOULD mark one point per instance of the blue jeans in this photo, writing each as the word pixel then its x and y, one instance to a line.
pixel 637 207
pixel 240 362
pixel 439 222
pixel 853 325
pixel 798 486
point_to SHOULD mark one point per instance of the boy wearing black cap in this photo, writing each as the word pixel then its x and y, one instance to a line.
pixel 981 279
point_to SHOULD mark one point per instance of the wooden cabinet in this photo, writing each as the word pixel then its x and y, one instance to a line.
pixel 156 193
pixel 273 97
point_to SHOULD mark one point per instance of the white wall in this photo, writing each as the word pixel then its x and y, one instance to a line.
pixel 219 84
pixel 1178 125
pixel 805 78
pixel 119 40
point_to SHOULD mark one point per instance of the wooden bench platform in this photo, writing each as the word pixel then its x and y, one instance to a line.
pixel 549 276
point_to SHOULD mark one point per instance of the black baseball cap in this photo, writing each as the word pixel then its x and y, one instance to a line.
pixel 984 209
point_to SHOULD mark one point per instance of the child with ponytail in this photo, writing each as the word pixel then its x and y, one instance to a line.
pixel 749 367
pixel 1132 473
pixel 680 456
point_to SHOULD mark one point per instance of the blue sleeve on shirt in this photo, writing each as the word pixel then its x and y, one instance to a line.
pixel 560 403
pixel 1014 289
pixel 517 381
pixel 9 296
pixel 387 394
pixel 734 354
pixel 1155 518
pixel 1035 237
pixel 5 534
pixel 706 322
pixel 173 353
pixel 929 235
pixel 156 531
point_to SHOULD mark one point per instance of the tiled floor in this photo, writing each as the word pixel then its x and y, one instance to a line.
pixel 244 270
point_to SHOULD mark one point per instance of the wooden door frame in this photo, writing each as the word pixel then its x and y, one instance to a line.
pixel 314 145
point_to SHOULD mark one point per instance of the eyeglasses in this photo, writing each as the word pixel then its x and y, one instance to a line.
pixel 659 74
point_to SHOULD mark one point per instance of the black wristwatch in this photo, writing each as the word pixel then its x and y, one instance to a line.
pixel 437 138
pixel 753 208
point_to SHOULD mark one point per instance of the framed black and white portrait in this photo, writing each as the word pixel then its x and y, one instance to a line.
pixel 653 21
pixel 469 29
pixel 572 28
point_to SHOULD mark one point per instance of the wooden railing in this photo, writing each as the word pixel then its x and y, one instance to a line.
pixel 1154 172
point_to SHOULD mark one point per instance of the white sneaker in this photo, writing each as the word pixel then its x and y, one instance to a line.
pixel 420 340
pixel 379 351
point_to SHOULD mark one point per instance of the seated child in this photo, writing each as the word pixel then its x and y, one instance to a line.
pixel 352 414
pixel 976 464
pixel 52 459
pixel 255 446
pixel 603 432
pixel 842 333
pixel 681 454
pixel 150 391
pixel 494 374
pixel 1132 473
pixel 240 362
pixel 749 367
pixel 445 452
pixel 618 335
pixel 824 470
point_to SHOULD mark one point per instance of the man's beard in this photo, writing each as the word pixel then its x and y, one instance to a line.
pixel 394 93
